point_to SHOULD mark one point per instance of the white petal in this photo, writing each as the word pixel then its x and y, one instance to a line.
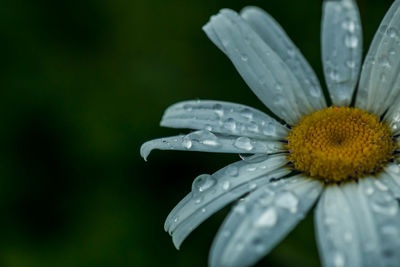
pixel 223 117
pixel 211 193
pixel 335 230
pixel 341 49
pixel 275 37
pixel 392 117
pixel 380 79
pixel 358 225
pixel 206 141
pixel 391 177
pixel 262 69
pixel 261 220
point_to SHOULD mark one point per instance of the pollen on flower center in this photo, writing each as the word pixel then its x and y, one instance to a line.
pixel 340 144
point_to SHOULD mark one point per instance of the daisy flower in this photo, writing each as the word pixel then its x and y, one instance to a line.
pixel 341 158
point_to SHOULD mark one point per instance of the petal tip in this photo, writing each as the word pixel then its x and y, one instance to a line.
pixel 145 150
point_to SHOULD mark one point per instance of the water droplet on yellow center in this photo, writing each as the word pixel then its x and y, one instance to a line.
pixel 339 144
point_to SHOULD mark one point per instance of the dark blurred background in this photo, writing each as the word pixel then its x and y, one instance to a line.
pixel 83 84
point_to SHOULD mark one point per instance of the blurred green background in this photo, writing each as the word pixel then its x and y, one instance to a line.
pixel 83 84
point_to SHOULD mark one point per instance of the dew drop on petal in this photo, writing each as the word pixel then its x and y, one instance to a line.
pixel 246 113
pixel 369 191
pixel 230 124
pixel 384 207
pixel 218 109
pixel 338 260
pixel 253 127
pixel 268 219
pixel 269 129
pixel 392 32
pixel 243 143
pixel 226 185
pixel 186 142
pixel 232 171
pixel 252 186
pixel 349 25
pixel 288 201
pixel 381 186
pixel 351 41
pixel 351 64
pixel 202 183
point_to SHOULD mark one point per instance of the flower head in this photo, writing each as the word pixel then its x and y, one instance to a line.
pixel 344 157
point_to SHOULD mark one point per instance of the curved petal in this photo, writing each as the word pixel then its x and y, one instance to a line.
pixel 261 220
pixel 206 141
pixel 341 49
pixel 392 117
pixel 275 37
pixel 379 81
pixel 262 69
pixel 225 118
pixel 211 193
pixel 391 177
pixel 358 225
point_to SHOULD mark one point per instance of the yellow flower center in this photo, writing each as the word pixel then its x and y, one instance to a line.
pixel 339 144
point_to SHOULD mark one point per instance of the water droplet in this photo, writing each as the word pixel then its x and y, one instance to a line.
pixel 279 100
pixel 392 32
pixel 226 185
pixel 232 171
pixel 240 208
pixel 349 25
pixel 253 127
pixel 385 207
pixel 268 219
pixel 278 87
pixel 202 183
pixel 246 113
pixel 176 219
pixel 186 142
pixel 251 168
pixel 269 129
pixel 288 201
pixel 291 52
pixel 252 186
pixel 351 64
pixel 338 259
pixel 315 92
pixel 244 57
pixel 204 137
pixel 218 109
pixel 381 186
pixel 369 191
pixel 334 75
pixel 203 210
pixel 243 143
pixel 351 41
pixel 384 61
pixel 230 124
pixel 198 200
